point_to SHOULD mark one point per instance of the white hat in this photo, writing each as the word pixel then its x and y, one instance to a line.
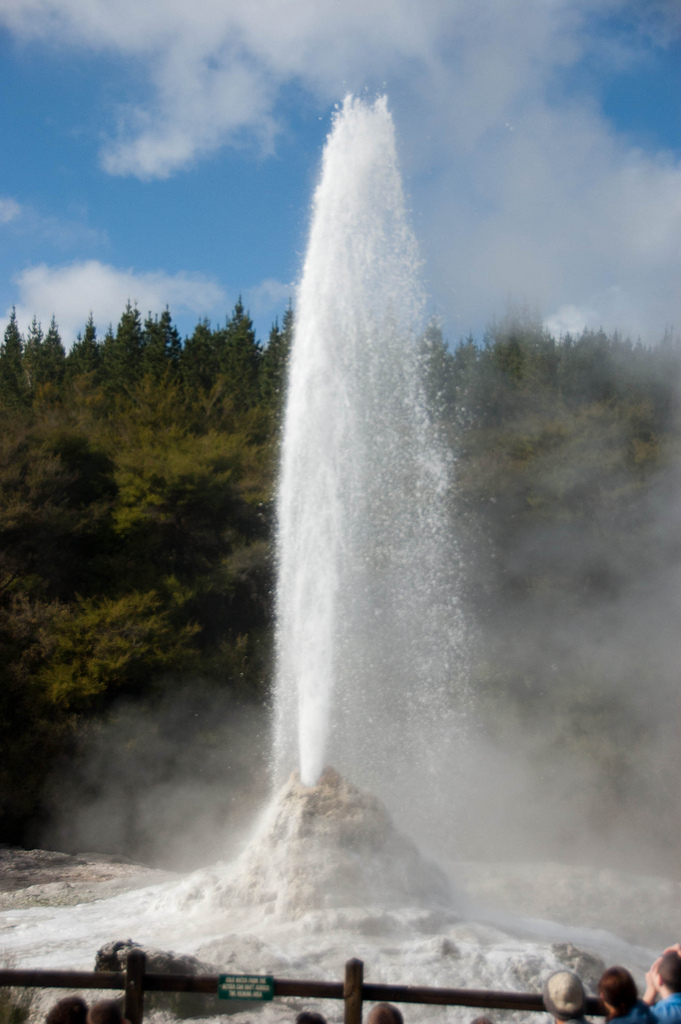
pixel 564 995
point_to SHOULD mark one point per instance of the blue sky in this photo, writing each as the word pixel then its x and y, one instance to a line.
pixel 167 152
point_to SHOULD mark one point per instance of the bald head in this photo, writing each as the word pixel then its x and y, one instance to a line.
pixel 384 1013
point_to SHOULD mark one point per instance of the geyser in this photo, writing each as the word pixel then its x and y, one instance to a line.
pixel 370 639
pixel 323 847
pixel 371 650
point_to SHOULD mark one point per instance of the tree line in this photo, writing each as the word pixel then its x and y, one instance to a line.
pixel 136 517
pixel 249 374
pixel 136 477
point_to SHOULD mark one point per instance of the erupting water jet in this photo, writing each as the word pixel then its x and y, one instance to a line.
pixel 370 639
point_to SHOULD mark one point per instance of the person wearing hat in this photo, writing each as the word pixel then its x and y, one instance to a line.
pixel 564 997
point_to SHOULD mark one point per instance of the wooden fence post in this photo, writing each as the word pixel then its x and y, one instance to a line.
pixel 135 964
pixel 352 991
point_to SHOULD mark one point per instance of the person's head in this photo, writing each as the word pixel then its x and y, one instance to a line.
pixel 618 991
pixel 384 1013
pixel 564 995
pixel 71 1010
pixel 669 969
pixel 482 1020
pixel 106 1011
pixel 310 1017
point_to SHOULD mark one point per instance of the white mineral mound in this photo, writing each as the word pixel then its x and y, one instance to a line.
pixel 328 876
pixel 326 846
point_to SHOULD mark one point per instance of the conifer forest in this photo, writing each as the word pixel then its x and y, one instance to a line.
pixel 137 474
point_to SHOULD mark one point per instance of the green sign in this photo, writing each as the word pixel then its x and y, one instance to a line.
pixel 245 986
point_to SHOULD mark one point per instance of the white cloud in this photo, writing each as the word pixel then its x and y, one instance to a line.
pixel 216 69
pixel 269 295
pixel 9 210
pixel 570 320
pixel 563 215
pixel 560 210
pixel 55 230
pixel 71 292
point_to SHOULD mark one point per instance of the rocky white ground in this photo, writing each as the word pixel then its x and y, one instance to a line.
pixel 33 878
pixel 327 877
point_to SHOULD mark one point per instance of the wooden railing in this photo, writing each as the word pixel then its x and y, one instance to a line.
pixel 353 990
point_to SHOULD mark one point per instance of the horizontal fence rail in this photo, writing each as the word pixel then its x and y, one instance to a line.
pixel 135 981
pixel 62 979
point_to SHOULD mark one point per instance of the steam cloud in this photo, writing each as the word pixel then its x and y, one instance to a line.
pixel 172 785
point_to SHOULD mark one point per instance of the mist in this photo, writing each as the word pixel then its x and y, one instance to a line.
pixel 573 583
pixel 172 784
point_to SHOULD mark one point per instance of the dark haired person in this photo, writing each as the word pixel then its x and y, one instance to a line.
pixel 564 997
pixel 70 1010
pixel 106 1011
pixel 384 1013
pixel 663 991
pixel 618 993
pixel 310 1017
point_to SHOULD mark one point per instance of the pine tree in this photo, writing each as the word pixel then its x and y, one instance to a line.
pixel 14 390
pixel 239 357
pixel 274 363
pixel 85 355
pixel 107 357
pixel 198 360
pixel 122 353
pixel 161 346
pixel 43 357
pixel 437 369
pixel 53 357
pixel 32 355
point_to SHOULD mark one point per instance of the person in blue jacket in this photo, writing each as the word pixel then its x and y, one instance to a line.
pixel 663 988
pixel 618 993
